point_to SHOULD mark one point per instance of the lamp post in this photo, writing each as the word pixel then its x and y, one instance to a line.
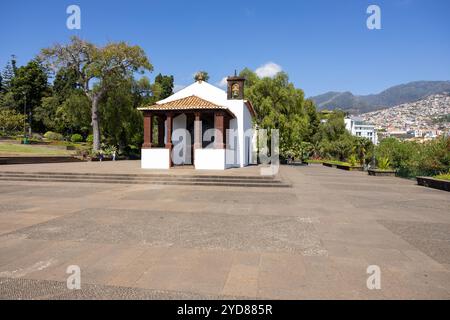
pixel 29 123
pixel 25 118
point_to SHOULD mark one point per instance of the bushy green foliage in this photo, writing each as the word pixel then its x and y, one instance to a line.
pixel 445 176
pixel 165 84
pixel 76 138
pixel 340 149
pixel 108 150
pixel 90 138
pixel 353 160
pixel 11 122
pixel 434 157
pixel 27 88
pixel 383 163
pixel 412 159
pixel 279 105
pixel 50 135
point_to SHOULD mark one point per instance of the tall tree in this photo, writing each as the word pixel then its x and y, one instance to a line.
pixel 166 85
pixel 27 88
pixel 123 124
pixel 98 69
pixel 67 109
pixel 279 105
pixel 8 73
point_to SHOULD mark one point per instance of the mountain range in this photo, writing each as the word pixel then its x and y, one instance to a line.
pixel 357 104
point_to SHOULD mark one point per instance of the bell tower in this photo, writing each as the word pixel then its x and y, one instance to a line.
pixel 235 87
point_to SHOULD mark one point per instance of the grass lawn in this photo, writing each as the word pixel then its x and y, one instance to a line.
pixel 11 149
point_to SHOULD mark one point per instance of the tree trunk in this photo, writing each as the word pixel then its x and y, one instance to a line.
pixel 95 123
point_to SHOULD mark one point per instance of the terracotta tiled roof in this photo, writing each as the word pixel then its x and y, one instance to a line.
pixel 188 103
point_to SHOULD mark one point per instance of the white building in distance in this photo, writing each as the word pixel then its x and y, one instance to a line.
pixel 357 127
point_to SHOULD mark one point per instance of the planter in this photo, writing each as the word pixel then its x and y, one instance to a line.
pixel 433 183
pixel 330 165
pixel 349 168
pixel 298 163
pixel 382 173
pixel 95 159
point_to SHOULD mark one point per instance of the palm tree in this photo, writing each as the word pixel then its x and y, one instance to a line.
pixel 361 147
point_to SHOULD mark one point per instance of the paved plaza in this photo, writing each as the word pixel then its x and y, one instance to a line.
pixel 314 240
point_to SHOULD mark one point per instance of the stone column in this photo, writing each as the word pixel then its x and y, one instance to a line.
pixel 198 136
pixel 219 125
pixel 161 129
pixel 169 144
pixel 148 130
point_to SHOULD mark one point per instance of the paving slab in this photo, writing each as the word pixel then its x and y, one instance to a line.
pixel 312 241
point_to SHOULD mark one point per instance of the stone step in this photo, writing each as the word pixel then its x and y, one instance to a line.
pixel 235 183
pixel 136 178
pixel 216 177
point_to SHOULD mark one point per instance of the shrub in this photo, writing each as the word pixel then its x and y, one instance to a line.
pixel 53 136
pixel 76 138
pixel 434 157
pixel 90 138
pixel 353 160
pixel 443 176
pixel 109 150
pixel 383 163
pixel 412 159
pixel 36 137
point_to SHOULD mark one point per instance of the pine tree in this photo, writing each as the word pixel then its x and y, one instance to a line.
pixel 8 74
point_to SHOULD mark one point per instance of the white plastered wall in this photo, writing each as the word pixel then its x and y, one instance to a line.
pixel 155 158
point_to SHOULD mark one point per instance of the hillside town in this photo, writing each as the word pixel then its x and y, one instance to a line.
pixel 421 120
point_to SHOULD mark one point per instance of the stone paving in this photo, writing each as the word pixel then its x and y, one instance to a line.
pixel 312 241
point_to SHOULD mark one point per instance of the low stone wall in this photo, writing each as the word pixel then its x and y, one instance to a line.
pixel 342 167
pixel 32 160
pixel 433 183
pixel 382 173
pixel 349 168
pixel 330 165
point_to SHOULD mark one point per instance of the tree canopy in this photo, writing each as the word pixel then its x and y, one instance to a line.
pixel 280 105
pixel 97 69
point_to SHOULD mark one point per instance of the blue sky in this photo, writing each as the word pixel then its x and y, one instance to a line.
pixel 324 45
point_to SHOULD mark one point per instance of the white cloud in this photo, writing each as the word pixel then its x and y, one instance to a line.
pixel 222 83
pixel 269 69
